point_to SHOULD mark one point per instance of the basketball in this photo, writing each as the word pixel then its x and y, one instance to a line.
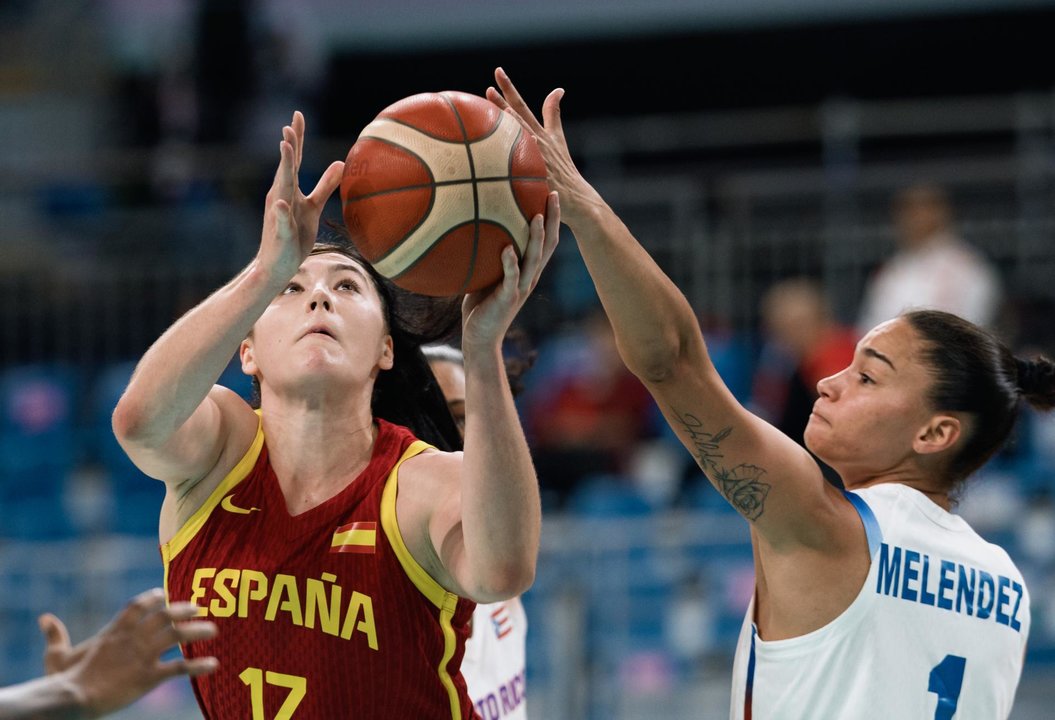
pixel 436 186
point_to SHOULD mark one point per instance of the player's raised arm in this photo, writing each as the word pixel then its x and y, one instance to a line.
pixel 767 477
pixel 173 422
pixel 486 532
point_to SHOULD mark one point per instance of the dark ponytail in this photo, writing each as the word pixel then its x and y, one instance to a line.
pixel 1036 382
pixel 976 374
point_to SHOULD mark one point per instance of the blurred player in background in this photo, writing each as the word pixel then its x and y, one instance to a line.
pixel 495 653
pixel 933 266
pixel 338 553
pixel 870 604
pixel 114 667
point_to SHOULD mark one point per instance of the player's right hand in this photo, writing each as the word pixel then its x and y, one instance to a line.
pixel 291 219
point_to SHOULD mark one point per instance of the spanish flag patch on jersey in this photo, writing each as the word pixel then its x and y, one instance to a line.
pixel 356 537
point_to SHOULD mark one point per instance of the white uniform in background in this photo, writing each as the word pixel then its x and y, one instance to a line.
pixel 938 630
pixel 494 661
pixel 945 274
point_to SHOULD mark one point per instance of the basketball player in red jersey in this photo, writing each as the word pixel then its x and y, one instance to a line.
pixel 338 554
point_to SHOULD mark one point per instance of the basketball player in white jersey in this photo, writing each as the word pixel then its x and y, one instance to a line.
pixel 495 653
pixel 873 604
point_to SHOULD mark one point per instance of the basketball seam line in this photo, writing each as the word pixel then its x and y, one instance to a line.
pixel 436 242
pixel 425 215
pixel 446 183
pixel 509 169
pixel 404 123
pixel 476 192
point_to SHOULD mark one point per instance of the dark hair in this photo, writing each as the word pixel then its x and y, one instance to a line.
pixel 975 373
pixel 407 394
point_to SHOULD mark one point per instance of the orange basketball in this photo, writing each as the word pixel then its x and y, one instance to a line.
pixel 436 186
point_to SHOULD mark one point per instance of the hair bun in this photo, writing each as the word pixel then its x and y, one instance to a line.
pixel 1036 381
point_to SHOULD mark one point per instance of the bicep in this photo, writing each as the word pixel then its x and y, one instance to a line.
pixel 766 476
pixel 194 450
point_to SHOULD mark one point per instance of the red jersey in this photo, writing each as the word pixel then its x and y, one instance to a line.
pixel 324 614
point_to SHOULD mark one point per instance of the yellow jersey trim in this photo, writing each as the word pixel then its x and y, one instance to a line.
pixel 450 643
pixel 196 521
pixel 446 601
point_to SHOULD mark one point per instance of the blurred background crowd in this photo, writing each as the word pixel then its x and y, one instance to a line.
pixel 802 171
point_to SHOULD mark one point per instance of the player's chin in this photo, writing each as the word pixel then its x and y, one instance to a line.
pixel 324 365
pixel 817 437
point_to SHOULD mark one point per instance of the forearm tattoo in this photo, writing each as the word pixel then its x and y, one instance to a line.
pixel 740 485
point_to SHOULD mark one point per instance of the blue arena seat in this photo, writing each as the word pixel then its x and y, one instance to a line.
pixel 136 497
pixel 608 496
pixel 39 445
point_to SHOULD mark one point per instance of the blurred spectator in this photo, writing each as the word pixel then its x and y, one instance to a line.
pixel 585 412
pixel 803 345
pixel 933 267
pixel 689 622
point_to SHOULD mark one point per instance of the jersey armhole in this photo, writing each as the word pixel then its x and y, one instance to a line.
pixel 425 583
pixel 443 599
pixel 873 533
pixel 195 522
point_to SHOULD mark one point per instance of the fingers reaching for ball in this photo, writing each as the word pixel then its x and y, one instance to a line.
pixel 542 241
pixel 487 314
pixel 576 194
pixel 291 219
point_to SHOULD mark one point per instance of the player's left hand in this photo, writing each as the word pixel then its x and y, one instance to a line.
pixel 122 662
pixel 487 314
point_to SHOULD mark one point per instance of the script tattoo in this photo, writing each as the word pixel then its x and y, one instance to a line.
pixel 740 485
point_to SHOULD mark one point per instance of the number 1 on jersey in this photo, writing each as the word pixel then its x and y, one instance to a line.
pixel 946 679
pixel 255 679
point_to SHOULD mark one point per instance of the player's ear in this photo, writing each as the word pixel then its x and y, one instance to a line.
pixel 245 354
pixel 388 355
pixel 939 434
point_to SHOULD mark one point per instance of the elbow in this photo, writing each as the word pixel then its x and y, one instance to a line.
pixel 657 362
pixel 130 423
pixel 506 582
pixel 519 581
pixel 655 368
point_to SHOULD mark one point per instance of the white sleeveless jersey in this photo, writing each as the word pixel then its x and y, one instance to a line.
pixel 937 632
pixel 494 661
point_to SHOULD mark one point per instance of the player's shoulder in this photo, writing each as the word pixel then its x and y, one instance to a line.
pixel 241 443
pixel 434 464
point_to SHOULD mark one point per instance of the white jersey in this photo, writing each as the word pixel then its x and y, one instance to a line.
pixel 938 630
pixel 494 661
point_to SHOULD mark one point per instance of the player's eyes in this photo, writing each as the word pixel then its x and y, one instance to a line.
pixel 292 288
pixel 865 380
pixel 348 285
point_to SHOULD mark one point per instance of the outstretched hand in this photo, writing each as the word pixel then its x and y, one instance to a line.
pixel 291 218
pixel 576 195
pixel 121 662
pixel 487 314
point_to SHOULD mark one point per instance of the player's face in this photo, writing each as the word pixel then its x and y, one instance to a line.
pixel 451 377
pixel 868 415
pixel 326 326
